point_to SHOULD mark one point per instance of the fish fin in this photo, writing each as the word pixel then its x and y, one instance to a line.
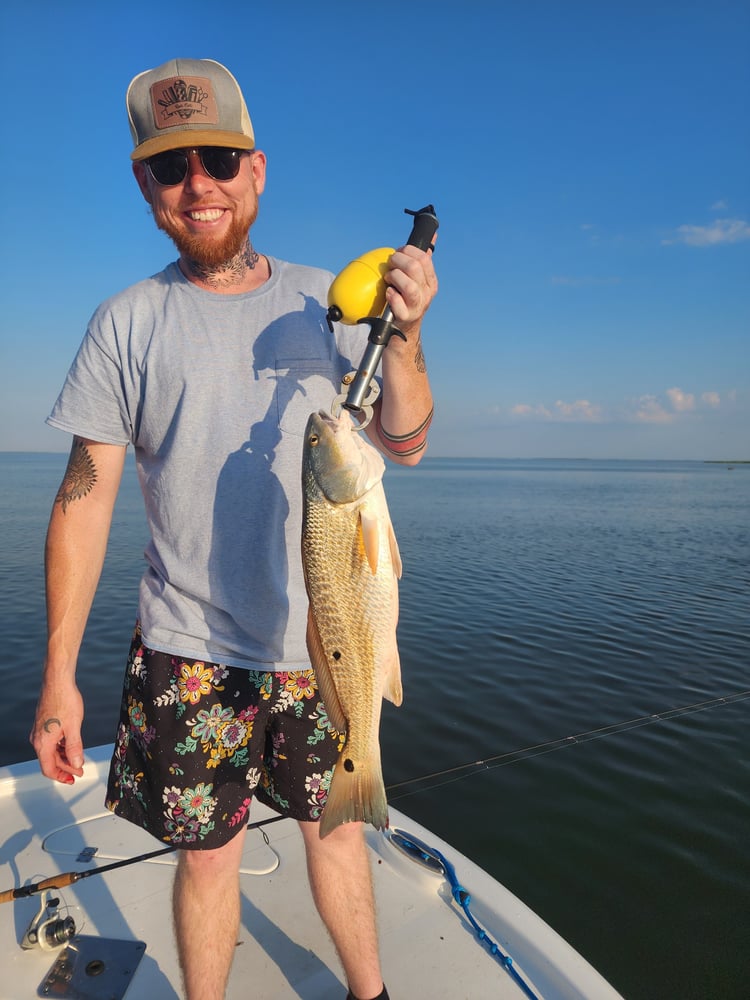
pixel 326 683
pixel 392 689
pixel 357 794
pixel 395 554
pixel 370 528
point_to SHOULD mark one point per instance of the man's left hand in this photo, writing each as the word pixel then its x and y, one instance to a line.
pixel 412 285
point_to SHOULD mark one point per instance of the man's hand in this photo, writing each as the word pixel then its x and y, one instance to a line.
pixel 412 285
pixel 56 735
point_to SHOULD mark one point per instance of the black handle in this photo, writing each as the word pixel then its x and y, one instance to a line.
pixel 424 228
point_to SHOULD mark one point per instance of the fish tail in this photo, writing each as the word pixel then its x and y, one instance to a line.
pixel 357 794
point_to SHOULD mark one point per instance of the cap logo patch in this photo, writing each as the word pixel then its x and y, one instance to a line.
pixel 182 98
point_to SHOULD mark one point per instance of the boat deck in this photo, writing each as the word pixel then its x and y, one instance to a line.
pixel 428 947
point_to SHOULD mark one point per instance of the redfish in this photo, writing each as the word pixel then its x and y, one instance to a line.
pixel 352 566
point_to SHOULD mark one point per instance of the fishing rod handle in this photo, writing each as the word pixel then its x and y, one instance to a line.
pixel 55 882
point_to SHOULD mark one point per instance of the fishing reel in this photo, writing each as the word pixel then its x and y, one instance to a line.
pixel 357 295
pixel 48 930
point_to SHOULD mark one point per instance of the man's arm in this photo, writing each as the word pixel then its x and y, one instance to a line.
pixel 74 555
pixel 404 410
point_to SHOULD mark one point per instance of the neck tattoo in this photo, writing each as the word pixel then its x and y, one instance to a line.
pixel 230 272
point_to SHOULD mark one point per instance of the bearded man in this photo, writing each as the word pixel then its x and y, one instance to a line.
pixel 209 370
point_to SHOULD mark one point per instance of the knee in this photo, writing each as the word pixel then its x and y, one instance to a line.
pixel 349 837
pixel 346 833
pixel 220 862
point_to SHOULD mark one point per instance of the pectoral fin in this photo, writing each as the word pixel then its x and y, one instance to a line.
pixel 395 554
pixel 370 528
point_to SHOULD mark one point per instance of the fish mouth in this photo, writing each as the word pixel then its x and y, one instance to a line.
pixel 329 420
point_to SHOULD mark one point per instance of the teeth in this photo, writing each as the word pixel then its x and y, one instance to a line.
pixel 208 215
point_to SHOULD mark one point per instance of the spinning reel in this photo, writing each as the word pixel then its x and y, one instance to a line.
pixel 48 930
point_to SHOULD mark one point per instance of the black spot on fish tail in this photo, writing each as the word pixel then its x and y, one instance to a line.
pixel 336 655
pixel 348 765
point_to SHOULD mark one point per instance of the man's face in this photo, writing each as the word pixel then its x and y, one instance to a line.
pixel 208 220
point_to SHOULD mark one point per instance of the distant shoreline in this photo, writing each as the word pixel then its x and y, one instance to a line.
pixel 471 458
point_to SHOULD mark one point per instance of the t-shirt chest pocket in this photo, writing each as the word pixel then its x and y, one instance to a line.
pixel 303 385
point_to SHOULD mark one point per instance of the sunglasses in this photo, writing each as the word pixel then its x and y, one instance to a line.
pixel 171 168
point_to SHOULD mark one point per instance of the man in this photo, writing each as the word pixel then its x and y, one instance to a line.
pixel 209 369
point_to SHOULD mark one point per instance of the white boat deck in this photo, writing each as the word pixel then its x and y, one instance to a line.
pixel 428 948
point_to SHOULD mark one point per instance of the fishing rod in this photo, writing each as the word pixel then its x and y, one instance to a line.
pixel 70 878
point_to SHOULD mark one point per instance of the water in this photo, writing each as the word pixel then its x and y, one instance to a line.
pixel 578 635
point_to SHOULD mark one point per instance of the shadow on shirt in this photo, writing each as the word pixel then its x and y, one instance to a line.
pixel 249 561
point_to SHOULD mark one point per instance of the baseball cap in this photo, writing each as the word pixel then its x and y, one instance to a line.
pixel 187 102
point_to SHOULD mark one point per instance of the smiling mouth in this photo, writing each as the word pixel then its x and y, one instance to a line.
pixel 206 214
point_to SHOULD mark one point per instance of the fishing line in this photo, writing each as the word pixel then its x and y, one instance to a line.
pixel 461 771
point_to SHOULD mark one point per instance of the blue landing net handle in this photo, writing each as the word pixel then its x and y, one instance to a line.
pixel 463 898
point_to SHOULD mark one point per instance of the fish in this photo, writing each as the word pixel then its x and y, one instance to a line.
pixel 352 565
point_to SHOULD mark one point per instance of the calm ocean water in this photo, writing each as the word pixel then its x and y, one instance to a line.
pixel 575 642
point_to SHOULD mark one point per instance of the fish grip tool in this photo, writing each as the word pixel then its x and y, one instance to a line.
pixel 358 391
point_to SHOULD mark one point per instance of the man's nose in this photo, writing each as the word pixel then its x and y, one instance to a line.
pixel 195 170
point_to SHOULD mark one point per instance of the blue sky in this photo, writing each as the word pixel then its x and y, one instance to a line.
pixel 589 162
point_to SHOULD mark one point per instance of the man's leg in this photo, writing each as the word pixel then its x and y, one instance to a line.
pixel 206 909
pixel 340 878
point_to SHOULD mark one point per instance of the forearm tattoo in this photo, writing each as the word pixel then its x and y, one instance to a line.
pixel 419 358
pixel 80 476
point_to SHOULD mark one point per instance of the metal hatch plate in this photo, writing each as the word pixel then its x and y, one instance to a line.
pixel 92 968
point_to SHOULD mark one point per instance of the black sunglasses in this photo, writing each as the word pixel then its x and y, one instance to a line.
pixel 171 168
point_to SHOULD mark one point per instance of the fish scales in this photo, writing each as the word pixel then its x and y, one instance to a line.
pixel 351 563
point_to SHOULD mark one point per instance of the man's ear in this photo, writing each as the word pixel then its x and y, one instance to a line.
pixel 258 168
pixel 141 175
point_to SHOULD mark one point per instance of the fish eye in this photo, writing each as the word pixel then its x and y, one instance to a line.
pixel 313 440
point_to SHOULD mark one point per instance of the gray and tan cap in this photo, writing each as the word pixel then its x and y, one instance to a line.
pixel 187 102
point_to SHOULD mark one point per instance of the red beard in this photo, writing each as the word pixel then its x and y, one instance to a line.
pixel 211 254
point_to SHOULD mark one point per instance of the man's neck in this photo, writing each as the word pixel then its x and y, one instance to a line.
pixel 243 273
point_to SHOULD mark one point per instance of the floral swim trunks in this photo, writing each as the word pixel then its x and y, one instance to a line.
pixel 196 741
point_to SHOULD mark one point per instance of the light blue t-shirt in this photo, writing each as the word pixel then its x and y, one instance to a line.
pixel 214 391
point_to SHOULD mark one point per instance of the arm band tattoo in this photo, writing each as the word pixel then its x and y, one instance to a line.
pixel 80 475
pixel 402 445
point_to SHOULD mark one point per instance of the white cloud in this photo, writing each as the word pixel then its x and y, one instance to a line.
pixel 719 231
pixel 582 409
pixel 579 411
pixel 526 410
pixel 720 205
pixel 681 401
pixel 648 410
pixel 664 408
